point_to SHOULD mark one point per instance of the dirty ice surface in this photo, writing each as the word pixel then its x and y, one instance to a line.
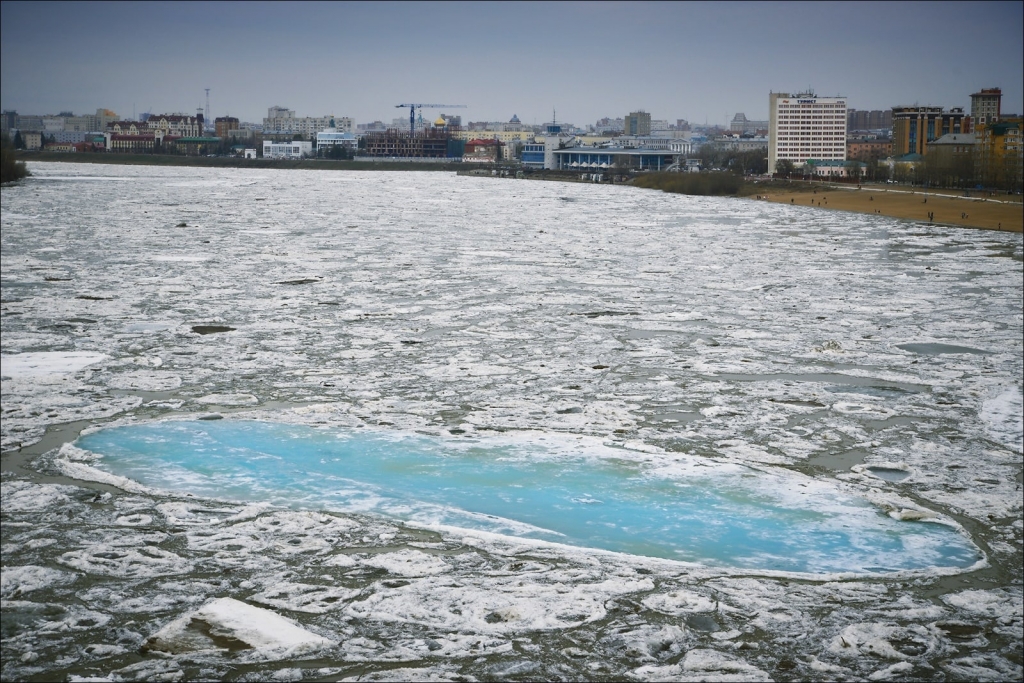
pixel 877 356
pixel 685 509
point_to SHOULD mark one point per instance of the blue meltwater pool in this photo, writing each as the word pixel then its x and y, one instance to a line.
pixel 681 508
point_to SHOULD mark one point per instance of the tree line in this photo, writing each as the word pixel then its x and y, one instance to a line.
pixel 10 168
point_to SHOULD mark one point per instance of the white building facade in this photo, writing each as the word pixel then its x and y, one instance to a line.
pixel 296 149
pixel 333 137
pixel 805 126
pixel 281 120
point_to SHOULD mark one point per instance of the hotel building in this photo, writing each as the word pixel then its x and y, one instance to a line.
pixel 804 126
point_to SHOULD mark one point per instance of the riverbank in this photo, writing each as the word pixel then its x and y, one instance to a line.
pixel 235 162
pixel 945 208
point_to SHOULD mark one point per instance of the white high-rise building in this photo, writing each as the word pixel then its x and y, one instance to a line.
pixel 804 126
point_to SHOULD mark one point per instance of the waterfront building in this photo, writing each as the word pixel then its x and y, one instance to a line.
pixel 532 155
pixel 194 145
pixel 637 123
pixel 431 143
pixel 914 128
pixel 482 151
pixel 295 149
pixel 804 126
pixel 146 142
pixel 985 106
pixel 59 147
pixel 624 158
pixel 835 169
pixel 332 137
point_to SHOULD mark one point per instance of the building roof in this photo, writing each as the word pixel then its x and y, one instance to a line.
pixel 829 163
pixel 955 139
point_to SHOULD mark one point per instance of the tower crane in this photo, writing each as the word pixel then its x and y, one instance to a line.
pixel 414 107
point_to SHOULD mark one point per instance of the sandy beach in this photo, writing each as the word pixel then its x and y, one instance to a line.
pixel 996 213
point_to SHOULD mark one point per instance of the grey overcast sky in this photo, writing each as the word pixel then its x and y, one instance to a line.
pixel 698 61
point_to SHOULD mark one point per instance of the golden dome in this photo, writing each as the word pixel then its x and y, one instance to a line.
pixel 440 121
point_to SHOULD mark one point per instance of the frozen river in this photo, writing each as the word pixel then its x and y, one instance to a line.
pixel 826 358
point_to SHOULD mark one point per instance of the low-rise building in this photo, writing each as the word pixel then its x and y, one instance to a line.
pixel 622 158
pixel 332 137
pixel 139 143
pixel 868 149
pixel 59 147
pixel 296 149
pixel 482 151
pixel 832 168
pixel 68 136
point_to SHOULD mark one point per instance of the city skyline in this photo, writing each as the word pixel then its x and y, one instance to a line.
pixel 702 62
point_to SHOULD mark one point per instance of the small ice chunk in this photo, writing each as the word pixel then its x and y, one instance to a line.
pixel 994 603
pixel 889 672
pixel 1004 419
pixel 408 562
pixel 229 399
pixel 47 363
pixel 237 625
pixel 17 580
pixel 710 662
pixel 679 602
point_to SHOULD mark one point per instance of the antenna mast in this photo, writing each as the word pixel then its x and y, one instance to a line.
pixel 206 123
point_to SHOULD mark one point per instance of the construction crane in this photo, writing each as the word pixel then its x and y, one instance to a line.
pixel 414 107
